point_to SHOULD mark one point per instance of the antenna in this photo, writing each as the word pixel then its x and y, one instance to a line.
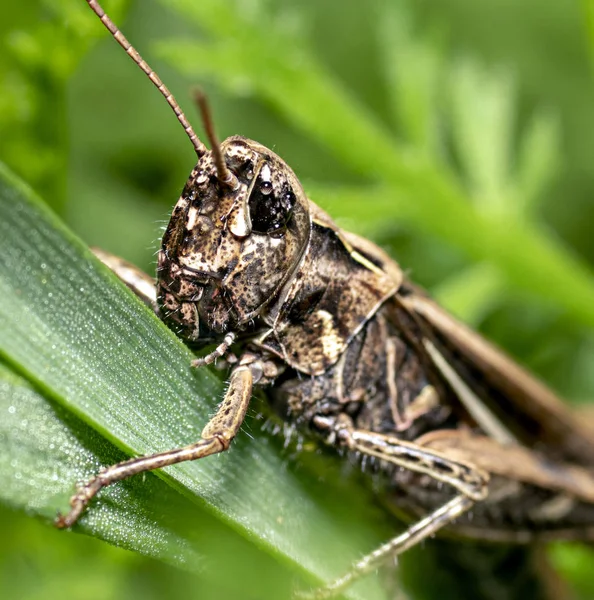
pixel 199 147
pixel 224 175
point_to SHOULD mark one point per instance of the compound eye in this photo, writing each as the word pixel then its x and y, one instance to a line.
pixel 270 209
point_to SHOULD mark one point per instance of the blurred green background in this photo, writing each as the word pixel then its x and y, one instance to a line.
pixel 457 134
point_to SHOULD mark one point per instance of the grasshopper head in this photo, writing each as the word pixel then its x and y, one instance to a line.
pixel 236 233
pixel 232 241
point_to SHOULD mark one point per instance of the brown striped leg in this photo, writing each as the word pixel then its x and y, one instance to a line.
pixel 470 482
pixel 218 352
pixel 216 437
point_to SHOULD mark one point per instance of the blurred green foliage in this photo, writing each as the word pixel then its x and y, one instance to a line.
pixel 457 134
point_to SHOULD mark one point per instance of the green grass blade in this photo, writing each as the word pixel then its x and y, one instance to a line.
pixel 44 448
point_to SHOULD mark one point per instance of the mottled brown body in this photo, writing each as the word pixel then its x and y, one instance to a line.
pixel 341 334
pixel 357 356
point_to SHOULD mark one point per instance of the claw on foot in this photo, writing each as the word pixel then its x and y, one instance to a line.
pixel 78 503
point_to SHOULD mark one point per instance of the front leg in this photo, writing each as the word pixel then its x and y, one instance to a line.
pixel 216 437
pixel 470 482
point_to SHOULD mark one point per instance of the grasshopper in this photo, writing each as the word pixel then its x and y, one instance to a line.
pixel 354 354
